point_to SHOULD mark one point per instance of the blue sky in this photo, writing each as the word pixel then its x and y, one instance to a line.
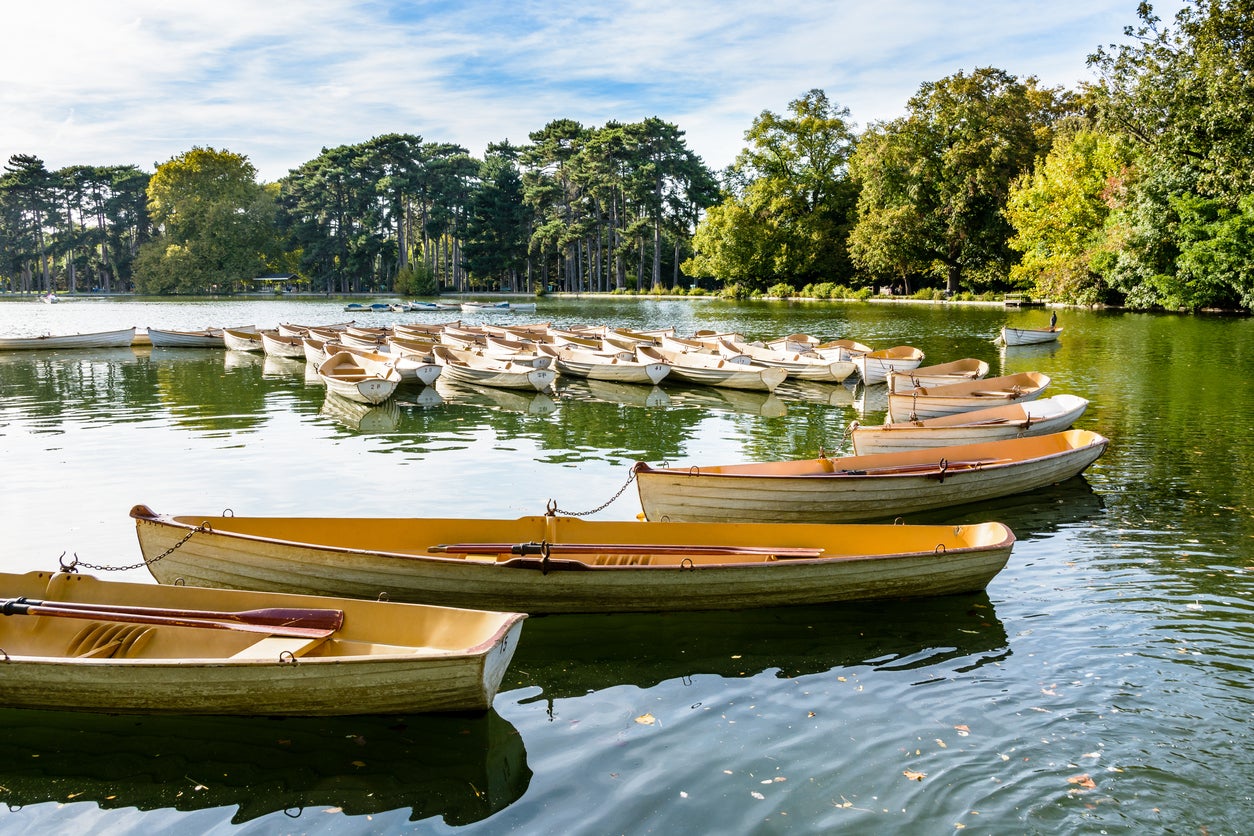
pixel 140 81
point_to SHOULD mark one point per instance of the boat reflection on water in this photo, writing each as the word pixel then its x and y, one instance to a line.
pixel 1031 516
pixel 828 394
pixel 381 418
pixel 626 394
pixel 509 400
pixel 870 400
pixel 426 397
pixel 463 768
pixel 570 655
pixel 720 398
pixel 236 360
pixel 287 367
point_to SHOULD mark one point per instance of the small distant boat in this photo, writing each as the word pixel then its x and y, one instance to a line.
pixel 555 564
pixel 240 339
pixel 208 338
pixel 938 375
pixel 874 366
pixel 1029 336
pixel 707 369
pixel 825 490
pixel 76 643
pixel 934 401
pixel 1018 420
pixel 358 378
pixel 100 339
pixel 472 307
pixel 469 367
pixel 372 307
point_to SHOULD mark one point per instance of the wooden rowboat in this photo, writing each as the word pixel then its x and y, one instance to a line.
pixel 874 366
pixel 73 642
pixel 242 339
pixel 412 369
pixel 1029 336
pixel 617 367
pixel 1019 420
pixel 554 564
pixel 208 338
pixel 940 374
pixel 476 369
pixel 711 370
pixel 934 401
pixel 101 339
pixel 800 365
pixel 864 487
pixel 359 379
pixel 275 344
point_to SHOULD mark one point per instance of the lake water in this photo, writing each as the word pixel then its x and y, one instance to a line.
pixel 1101 684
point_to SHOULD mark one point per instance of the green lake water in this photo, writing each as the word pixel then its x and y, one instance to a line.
pixel 1101 684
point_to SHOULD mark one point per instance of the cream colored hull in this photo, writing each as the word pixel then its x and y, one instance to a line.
pixel 951 399
pixel 237 340
pixel 103 339
pixel 389 658
pixel 1031 418
pixel 366 558
pixel 711 370
pixel 864 487
pixel 209 338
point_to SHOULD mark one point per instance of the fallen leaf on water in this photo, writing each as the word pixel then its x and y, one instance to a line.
pixel 1082 781
pixel 914 776
pixel 809 713
pixel 334 810
pixel 941 743
pixel 759 796
pixel 359 764
pixel 646 719
pixel 962 730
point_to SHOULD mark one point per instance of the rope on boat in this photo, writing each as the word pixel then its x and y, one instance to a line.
pixel 552 508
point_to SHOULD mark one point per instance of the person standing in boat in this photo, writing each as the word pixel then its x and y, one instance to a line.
pixel 1053 320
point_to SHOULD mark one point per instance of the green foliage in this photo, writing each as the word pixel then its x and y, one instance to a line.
pixel 1060 212
pixel 781 290
pixel 417 280
pixel 735 290
pixel 934 183
pixel 789 215
pixel 217 224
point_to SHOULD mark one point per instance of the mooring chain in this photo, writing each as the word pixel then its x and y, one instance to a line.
pixel 553 509
pixel 75 564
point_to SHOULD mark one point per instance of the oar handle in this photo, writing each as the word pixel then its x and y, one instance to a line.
pixel 620 548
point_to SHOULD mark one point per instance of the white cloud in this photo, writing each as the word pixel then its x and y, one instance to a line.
pixel 140 81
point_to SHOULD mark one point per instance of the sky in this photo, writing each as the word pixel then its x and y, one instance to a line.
pixel 139 82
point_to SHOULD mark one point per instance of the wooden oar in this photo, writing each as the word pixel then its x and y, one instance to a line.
pixel 619 548
pixel 276 621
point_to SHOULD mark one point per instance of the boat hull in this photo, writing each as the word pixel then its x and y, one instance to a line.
pixel 865 487
pixel 395 659
pixel 1025 420
pixel 954 398
pixel 209 338
pixel 103 339
pixel 1029 336
pixel 392 557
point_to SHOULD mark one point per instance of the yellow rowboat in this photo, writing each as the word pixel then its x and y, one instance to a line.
pixel 551 564
pixel 73 642
pixel 870 487
pixel 951 398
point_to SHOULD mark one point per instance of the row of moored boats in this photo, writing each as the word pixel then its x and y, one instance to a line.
pixel 327 615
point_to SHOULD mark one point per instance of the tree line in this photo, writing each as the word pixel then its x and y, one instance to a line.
pixel 1137 189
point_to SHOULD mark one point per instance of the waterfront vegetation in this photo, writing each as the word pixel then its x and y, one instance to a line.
pixel 1136 190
